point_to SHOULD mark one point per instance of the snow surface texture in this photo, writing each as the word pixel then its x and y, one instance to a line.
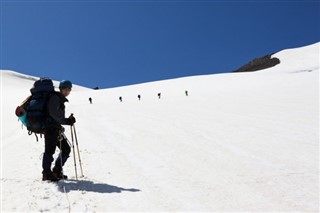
pixel 238 142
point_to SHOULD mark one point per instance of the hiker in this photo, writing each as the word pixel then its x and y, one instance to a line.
pixel 186 92
pixel 90 100
pixel 139 97
pixel 159 95
pixel 120 98
pixel 53 133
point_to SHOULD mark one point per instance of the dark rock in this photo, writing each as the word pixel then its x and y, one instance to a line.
pixel 259 64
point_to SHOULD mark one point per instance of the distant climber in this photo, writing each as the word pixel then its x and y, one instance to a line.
pixel 139 97
pixel 90 100
pixel 186 93
pixel 120 98
pixel 159 95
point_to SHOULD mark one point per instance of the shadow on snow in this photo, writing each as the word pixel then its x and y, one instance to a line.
pixel 90 186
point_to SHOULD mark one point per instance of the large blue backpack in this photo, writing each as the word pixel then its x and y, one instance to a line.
pixel 33 111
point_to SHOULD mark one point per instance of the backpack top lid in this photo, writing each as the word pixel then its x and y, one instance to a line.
pixel 42 85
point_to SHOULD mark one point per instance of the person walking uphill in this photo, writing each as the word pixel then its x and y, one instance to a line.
pixel 53 139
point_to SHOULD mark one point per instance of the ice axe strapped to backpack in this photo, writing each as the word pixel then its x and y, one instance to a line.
pixel 32 112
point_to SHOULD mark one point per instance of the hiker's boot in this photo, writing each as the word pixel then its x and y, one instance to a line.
pixel 49 176
pixel 58 174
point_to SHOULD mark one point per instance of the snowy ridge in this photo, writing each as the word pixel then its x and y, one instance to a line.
pixel 298 59
pixel 238 142
pixel 16 78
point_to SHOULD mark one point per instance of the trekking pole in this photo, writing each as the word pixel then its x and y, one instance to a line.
pixel 75 134
pixel 74 154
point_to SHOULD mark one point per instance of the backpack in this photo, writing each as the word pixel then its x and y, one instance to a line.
pixel 32 112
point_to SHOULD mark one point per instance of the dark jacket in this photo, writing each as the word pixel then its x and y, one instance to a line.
pixel 56 111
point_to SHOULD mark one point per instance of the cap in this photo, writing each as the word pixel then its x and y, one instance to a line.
pixel 65 84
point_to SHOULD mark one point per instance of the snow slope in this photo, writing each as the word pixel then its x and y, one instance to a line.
pixel 238 142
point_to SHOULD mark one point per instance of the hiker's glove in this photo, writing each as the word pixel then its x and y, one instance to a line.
pixel 71 120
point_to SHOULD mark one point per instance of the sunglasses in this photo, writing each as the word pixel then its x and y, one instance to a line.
pixel 67 89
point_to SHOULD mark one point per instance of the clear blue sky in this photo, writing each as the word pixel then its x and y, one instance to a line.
pixel 116 43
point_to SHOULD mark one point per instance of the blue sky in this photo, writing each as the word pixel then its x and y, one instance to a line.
pixel 116 43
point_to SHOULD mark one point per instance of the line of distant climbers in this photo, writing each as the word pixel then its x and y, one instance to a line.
pixel 139 96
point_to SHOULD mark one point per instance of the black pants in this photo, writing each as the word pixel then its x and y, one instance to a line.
pixel 51 142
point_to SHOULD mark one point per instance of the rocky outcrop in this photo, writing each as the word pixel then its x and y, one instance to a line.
pixel 259 64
